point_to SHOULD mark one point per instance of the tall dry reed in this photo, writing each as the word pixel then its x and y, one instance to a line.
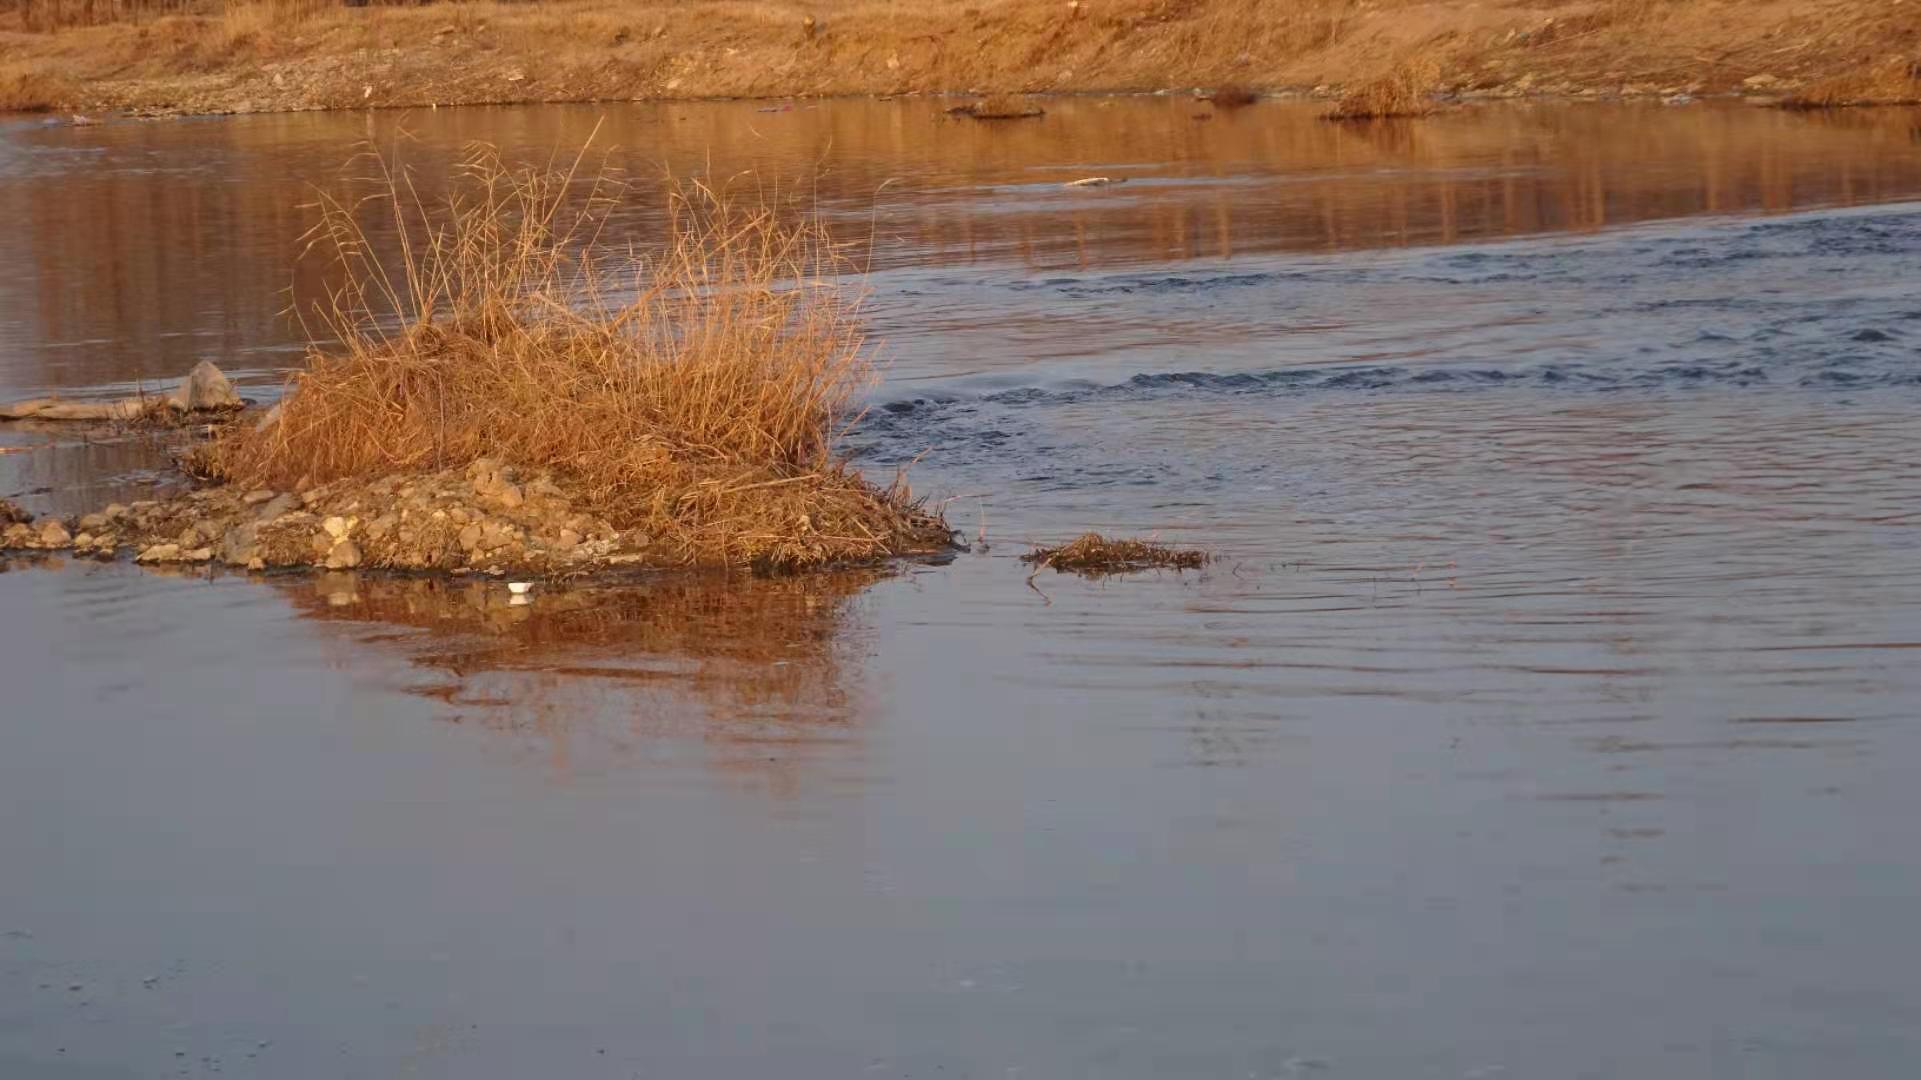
pixel 1404 91
pixel 695 389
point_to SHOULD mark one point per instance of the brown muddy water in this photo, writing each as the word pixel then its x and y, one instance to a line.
pixel 1551 711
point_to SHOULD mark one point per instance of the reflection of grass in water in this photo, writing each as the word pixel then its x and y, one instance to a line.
pixel 749 668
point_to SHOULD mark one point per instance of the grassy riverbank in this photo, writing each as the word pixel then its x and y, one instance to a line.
pixel 195 56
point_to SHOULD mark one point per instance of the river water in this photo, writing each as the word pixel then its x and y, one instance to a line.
pixel 1551 710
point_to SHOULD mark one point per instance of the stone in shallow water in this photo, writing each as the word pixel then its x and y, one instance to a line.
pixel 205 387
pixel 53 535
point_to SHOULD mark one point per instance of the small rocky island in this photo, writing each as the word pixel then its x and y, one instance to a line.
pixel 512 421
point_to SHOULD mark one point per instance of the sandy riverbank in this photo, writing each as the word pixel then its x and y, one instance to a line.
pixel 295 55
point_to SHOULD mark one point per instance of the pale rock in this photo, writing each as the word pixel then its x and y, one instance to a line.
pixel 159 553
pixel 344 556
pixel 54 535
pixel 205 387
pixel 237 547
pixel 276 506
pixel 486 475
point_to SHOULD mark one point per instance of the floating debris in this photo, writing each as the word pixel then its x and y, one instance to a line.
pixel 205 391
pixel 1093 554
pixel 999 107
pixel 1231 97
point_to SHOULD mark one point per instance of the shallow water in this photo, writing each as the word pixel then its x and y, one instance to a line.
pixel 1550 711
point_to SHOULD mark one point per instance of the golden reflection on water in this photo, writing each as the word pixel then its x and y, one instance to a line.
pixel 756 672
pixel 146 246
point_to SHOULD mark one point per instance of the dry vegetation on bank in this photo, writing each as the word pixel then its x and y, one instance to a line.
pixel 694 391
pixel 1894 82
pixel 1406 91
pixel 254 55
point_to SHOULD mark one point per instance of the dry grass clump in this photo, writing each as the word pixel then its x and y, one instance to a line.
pixel 1000 107
pixel 1094 554
pixel 25 88
pixel 695 391
pixel 1403 92
pixel 1896 81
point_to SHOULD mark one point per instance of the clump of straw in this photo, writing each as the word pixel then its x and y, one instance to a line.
pixel 1093 554
pixel 694 390
pixel 1404 91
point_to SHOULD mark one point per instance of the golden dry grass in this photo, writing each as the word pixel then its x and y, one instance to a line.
pixel 1895 81
pixel 1405 91
pixel 1094 554
pixel 695 390
pixel 48 15
pixel 34 88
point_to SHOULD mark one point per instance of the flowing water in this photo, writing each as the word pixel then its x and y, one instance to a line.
pixel 1551 710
